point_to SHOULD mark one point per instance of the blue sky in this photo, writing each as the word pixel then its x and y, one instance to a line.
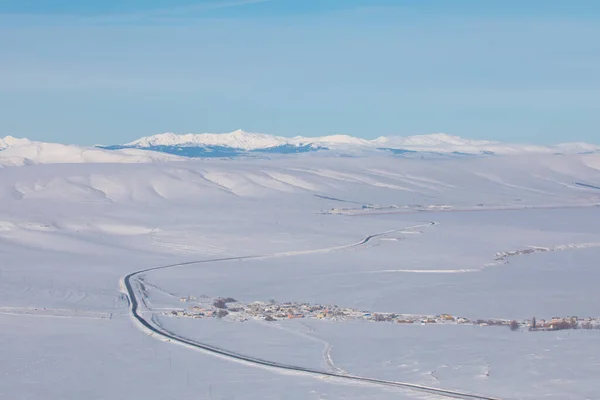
pixel 111 71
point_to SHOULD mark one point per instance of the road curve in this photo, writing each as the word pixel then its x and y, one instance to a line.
pixel 154 329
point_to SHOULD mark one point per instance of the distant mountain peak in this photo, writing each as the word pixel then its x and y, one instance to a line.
pixel 435 139
pixel 241 141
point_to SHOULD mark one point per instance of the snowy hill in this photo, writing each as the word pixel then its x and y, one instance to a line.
pixel 237 139
pixel 9 141
pixel 241 142
pixel 383 180
pixel 17 152
pixel 170 146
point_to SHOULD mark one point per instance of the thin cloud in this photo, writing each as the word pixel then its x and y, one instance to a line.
pixel 152 14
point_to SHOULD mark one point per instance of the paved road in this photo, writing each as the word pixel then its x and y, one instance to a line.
pixel 154 329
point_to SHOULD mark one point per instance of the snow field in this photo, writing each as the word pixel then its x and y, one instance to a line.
pixel 69 233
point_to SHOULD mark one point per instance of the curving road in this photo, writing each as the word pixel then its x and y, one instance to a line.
pixel 152 327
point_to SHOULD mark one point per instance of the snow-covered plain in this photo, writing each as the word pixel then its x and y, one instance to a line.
pixel 70 232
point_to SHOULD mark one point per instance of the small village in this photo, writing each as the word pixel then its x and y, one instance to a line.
pixel 231 309
pixel 373 207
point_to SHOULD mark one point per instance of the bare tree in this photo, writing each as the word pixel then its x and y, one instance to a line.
pixel 514 325
pixel 221 313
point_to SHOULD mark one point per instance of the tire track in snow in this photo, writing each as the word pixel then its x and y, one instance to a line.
pixel 328 360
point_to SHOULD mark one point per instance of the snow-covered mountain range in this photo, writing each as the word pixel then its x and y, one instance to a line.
pixel 170 146
pixel 239 141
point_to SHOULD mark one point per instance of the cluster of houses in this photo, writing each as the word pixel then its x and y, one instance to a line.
pixel 370 207
pixel 229 308
pixel 269 311
pixel 272 311
pixel 560 323
pixel 503 255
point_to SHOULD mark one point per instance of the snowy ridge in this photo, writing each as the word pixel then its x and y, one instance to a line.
pixel 592 160
pixel 238 139
pixel 18 152
pixel 241 139
pixel 10 141
pixel 169 146
pixel 396 184
pixel 438 143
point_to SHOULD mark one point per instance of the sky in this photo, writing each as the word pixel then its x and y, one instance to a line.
pixel 107 72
